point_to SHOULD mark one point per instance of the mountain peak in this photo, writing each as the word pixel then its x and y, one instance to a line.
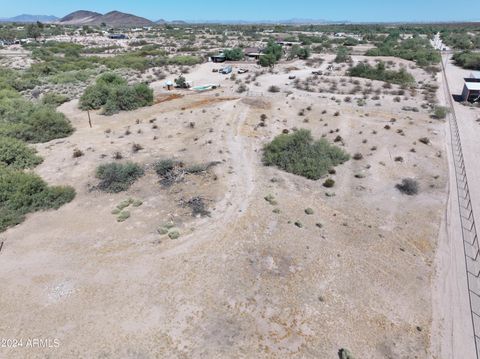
pixel 112 18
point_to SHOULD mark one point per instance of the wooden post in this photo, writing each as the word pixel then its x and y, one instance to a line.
pixel 1 246
pixel 89 119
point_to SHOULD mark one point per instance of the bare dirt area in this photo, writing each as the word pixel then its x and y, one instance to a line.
pixel 252 279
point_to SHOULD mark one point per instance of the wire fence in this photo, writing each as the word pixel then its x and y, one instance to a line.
pixel 469 231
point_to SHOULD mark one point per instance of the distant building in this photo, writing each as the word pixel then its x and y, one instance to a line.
pixel 471 88
pixel 253 53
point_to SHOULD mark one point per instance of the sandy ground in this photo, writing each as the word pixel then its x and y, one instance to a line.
pixel 244 282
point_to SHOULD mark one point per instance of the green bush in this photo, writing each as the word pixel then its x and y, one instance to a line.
pixel 299 154
pixel 22 193
pixel 415 49
pixel 329 183
pixel 379 73
pixel 235 54
pixel 114 94
pixel 164 167
pixel 440 112
pixel 468 60
pixel 117 177
pixel 16 154
pixel 30 122
pixel 94 97
pixel 342 55
pixel 271 55
pixel 123 216
pixel 54 99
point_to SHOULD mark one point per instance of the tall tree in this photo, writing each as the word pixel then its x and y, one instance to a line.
pixel 34 31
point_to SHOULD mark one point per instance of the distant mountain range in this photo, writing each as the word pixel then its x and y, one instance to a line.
pixel 118 19
pixel 24 18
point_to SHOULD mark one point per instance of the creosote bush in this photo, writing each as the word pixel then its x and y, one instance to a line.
pixel 117 177
pixel 300 154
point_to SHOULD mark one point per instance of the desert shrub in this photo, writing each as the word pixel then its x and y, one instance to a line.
pixel 198 206
pixel 54 99
pixel 273 89
pixel 118 177
pixel 200 167
pixel 137 147
pixel 345 354
pixel 408 186
pixel 342 55
pixel 22 193
pixel 16 154
pixel 123 216
pixel 424 140
pixel 77 153
pixel 164 167
pixel 440 112
pixel 329 183
pixel 174 234
pixel 242 88
pixel 94 97
pixel 31 122
pixel 114 94
pixel 300 154
pixel 467 60
pixel 379 73
pixel 414 49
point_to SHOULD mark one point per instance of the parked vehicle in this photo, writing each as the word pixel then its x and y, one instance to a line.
pixel 242 71
pixel 226 70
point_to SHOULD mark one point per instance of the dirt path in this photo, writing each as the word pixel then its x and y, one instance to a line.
pixel 241 185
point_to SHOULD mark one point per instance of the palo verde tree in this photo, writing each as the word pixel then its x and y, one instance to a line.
pixel 235 54
pixel 272 54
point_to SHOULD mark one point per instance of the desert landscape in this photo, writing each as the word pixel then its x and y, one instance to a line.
pixel 185 233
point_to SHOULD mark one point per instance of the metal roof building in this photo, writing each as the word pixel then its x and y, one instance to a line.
pixel 471 88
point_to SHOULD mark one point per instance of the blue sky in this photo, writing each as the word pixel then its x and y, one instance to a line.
pixel 351 10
